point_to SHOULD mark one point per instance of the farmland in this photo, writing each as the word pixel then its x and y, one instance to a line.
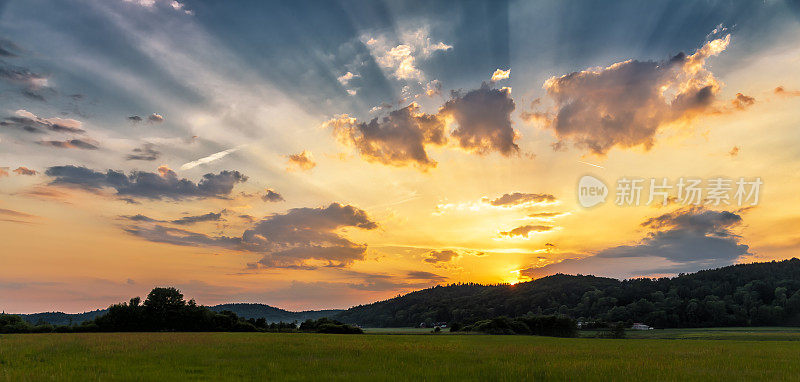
pixel 688 354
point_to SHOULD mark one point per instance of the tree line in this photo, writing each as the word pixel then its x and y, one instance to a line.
pixel 165 309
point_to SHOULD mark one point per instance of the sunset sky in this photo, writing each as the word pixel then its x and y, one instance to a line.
pixel 312 155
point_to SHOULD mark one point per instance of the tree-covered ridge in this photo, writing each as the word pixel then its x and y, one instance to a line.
pixel 738 295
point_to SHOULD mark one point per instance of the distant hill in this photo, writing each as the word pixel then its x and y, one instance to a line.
pixel 59 318
pixel 273 314
pixel 738 295
pixel 270 313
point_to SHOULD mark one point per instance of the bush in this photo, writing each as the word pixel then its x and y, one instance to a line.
pixel 326 325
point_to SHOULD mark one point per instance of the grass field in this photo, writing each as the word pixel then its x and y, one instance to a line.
pixel 766 355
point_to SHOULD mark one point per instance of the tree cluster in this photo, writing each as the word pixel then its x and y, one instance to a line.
pixel 540 325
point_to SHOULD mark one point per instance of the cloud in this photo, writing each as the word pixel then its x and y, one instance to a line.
pixel 135 119
pixel 31 123
pixel 734 151
pixel 433 88
pixel 31 83
pixel 344 79
pixel 483 117
pixel 442 256
pixel 302 238
pixel 210 158
pixel 524 231
pixel 8 48
pixel 146 152
pixel 385 282
pixel 742 101
pixel 520 198
pixel 546 215
pixel 211 216
pixel 397 139
pixel 303 161
pixel 25 171
pixel 271 196
pixel 165 184
pixel 422 275
pixel 155 4
pixel 625 104
pixel 483 125
pixel 84 144
pixel 16 214
pixel 780 90
pixel 155 118
pixel 501 74
pixel 3 171
pixel 684 240
pixel 400 59
pixel 186 220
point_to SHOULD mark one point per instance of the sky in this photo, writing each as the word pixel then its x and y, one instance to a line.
pixel 325 154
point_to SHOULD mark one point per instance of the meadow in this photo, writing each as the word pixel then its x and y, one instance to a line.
pixel 724 354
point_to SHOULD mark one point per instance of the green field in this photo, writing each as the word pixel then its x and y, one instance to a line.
pixel 732 354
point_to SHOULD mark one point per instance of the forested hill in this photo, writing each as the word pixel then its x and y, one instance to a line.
pixel 740 295
pixel 269 313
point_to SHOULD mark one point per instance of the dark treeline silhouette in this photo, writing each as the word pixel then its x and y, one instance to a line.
pixel 757 294
pixel 553 325
pixel 166 310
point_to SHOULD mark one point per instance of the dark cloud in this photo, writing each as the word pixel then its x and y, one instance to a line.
pixel 440 256
pixel 141 218
pixel 397 139
pixel 525 230
pixel 25 171
pixel 209 217
pixel 626 103
pixel 484 120
pixel 303 161
pixel 84 144
pixel 146 152
pixel 165 184
pixel 271 196
pixel 163 234
pixel 135 119
pixel 302 238
pixel 519 198
pixel 684 240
